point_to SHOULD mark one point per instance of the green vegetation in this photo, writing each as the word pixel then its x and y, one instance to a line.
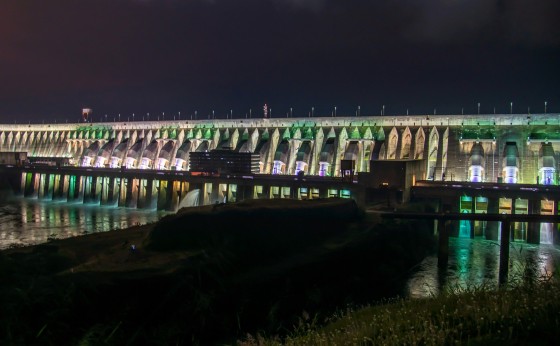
pixel 208 275
pixel 524 315
pixel 525 312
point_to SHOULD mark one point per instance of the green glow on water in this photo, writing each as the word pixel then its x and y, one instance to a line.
pixel 71 185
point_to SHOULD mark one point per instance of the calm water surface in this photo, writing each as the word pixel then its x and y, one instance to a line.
pixel 476 262
pixel 471 262
pixel 28 221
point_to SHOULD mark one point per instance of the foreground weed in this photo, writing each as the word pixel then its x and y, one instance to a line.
pixel 476 314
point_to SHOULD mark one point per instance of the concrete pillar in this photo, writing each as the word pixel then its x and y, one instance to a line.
pixel 534 228
pixel 75 189
pixel 145 194
pixel 293 192
pixel 492 226
pixel 555 236
pixel 170 196
pixel 111 191
pixel 46 186
pixel 87 189
pixel 95 189
pixel 58 191
pixel 245 192
pixel 512 212
pixel 504 252
pixel 123 187
pixel 131 199
pixel 265 192
pixel 162 195
pixel 473 211
pixel 41 186
pixel 30 185
pixel 443 243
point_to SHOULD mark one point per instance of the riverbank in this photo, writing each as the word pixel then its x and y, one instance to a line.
pixel 205 275
pixel 528 314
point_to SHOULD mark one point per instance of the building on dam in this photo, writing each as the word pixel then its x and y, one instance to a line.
pixel 358 157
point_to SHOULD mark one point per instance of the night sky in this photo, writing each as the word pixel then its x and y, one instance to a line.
pixel 171 56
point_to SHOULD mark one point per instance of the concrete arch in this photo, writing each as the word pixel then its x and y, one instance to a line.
pixel 392 144
pixel 433 148
pixel 406 144
pixel 165 154
pixel 419 144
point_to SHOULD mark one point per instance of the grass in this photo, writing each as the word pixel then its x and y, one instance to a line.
pixel 527 312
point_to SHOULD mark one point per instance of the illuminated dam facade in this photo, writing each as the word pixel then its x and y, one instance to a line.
pixel 484 148
pixel 506 149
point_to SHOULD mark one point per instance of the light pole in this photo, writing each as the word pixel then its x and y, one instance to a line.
pixel 335 111
pixel 291 112
pixel 312 110
pixel 545 107
pixel 478 112
pixel 358 110
pixel 511 108
pixel 250 111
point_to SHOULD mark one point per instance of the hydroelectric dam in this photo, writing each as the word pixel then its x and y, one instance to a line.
pixel 504 163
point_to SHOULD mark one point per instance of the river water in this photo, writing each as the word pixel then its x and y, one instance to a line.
pixel 475 262
pixel 25 221
pixel 471 262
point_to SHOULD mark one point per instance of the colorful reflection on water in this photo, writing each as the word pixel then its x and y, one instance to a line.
pixel 28 222
pixel 476 262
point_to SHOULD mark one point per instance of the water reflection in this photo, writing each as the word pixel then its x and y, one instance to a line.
pixel 27 222
pixel 476 262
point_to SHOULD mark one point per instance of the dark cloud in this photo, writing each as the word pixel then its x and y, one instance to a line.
pixel 517 22
pixel 158 55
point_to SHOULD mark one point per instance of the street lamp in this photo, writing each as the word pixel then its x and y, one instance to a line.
pixel 383 110
pixel 358 110
pixel 312 110
pixel 545 107
pixel 478 108
pixel 291 112
pixel 335 111
pixel 511 108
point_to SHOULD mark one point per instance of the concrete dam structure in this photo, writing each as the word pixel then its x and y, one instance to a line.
pixel 483 148
pixel 98 160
